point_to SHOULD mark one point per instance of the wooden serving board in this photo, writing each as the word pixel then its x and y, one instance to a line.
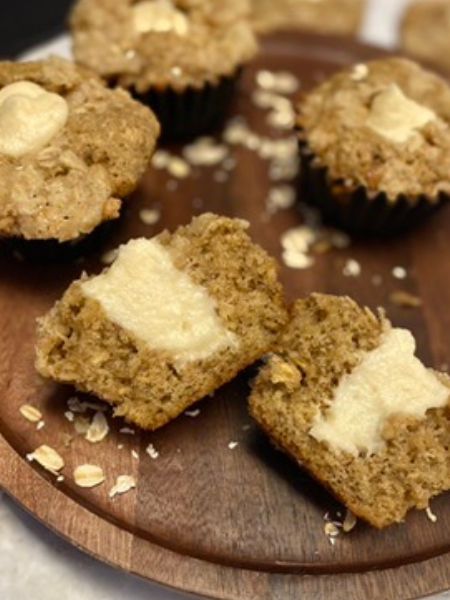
pixel 241 524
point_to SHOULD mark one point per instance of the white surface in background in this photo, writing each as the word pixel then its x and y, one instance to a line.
pixel 37 565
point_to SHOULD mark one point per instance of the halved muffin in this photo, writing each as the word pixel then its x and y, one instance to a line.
pixel 174 318
pixel 344 395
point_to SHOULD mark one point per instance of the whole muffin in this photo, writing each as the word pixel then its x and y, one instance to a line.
pixel 375 146
pixel 323 16
pixel 70 150
pixel 181 57
pixel 425 31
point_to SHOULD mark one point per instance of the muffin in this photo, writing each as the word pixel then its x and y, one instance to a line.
pixel 182 57
pixel 322 16
pixel 375 146
pixel 346 398
pixel 70 150
pixel 425 31
pixel 173 319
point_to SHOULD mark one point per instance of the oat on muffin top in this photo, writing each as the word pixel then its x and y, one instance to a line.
pixel 70 149
pixel 425 31
pixel 383 126
pixel 324 16
pixel 162 43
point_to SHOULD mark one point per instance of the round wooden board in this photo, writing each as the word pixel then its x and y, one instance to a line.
pixel 232 524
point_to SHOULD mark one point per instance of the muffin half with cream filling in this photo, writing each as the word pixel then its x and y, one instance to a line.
pixel 345 396
pixel 174 318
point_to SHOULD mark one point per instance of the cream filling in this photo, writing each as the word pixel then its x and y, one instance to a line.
pixel 30 117
pixel 159 16
pixel 145 294
pixel 396 117
pixel 389 381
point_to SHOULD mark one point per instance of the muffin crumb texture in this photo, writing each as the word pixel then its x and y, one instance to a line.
pixel 70 149
pixel 332 368
pixel 152 355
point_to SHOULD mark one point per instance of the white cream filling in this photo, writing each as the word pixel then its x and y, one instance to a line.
pixel 30 117
pixel 396 117
pixel 145 294
pixel 389 381
pixel 159 16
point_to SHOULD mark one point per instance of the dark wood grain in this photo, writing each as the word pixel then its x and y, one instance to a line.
pixel 242 523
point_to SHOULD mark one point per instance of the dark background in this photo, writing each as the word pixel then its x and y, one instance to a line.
pixel 26 22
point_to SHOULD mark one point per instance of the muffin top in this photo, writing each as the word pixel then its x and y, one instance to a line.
pixel 383 125
pixel 425 31
pixel 69 149
pixel 325 16
pixel 162 43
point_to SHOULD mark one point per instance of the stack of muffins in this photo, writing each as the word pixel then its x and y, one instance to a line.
pixel 179 315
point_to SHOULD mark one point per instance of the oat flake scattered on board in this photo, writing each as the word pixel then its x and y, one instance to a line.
pixel 124 484
pixel 81 424
pixel 127 431
pixel 88 476
pixel 352 268
pixel 405 299
pixel 48 458
pixel 430 514
pixel 30 413
pixel 233 445
pixel 192 413
pixel 152 452
pixel 349 522
pixel 108 257
pixel 98 428
pixel 149 216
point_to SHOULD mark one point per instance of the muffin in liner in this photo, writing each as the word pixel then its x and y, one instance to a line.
pixel 354 209
pixel 374 143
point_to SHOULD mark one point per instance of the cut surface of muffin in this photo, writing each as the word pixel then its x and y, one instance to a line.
pixel 323 16
pixel 160 44
pixel 345 396
pixel 174 318
pixel 70 149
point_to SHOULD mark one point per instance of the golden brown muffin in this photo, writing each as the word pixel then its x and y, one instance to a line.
pixel 162 44
pixel 172 320
pixel 323 16
pixel 70 149
pixel 425 31
pixel 344 395
pixel 376 139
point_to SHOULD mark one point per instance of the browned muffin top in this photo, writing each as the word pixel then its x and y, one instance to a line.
pixel 383 126
pixel 425 31
pixel 162 43
pixel 324 16
pixel 70 149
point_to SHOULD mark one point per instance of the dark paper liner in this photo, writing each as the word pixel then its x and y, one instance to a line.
pixel 192 112
pixel 353 210
pixel 52 251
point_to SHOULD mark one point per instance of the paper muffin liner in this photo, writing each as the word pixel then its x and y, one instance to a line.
pixel 52 251
pixel 354 209
pixel 194 111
